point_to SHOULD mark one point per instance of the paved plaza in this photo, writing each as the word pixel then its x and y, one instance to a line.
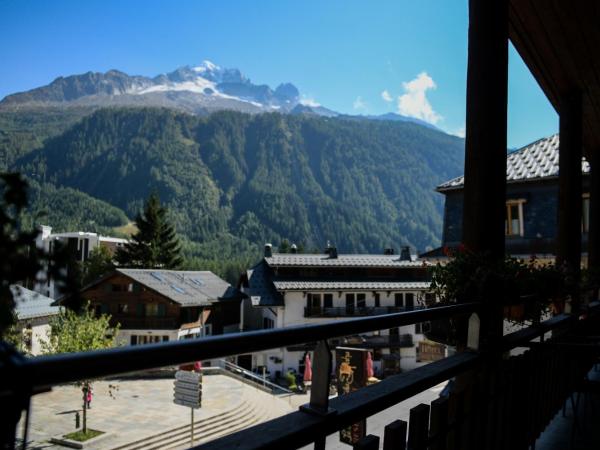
pixel 141 408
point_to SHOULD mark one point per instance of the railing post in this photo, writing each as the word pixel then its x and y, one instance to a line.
pixel 319 391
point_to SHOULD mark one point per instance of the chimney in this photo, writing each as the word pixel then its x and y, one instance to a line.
pixel 332 252
pixel 294 249
pixel 405 254
pixel 268 250
pixel 388 251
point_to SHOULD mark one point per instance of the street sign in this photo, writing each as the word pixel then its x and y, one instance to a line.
pixel 193 405
pixel 185 375
pixel 187 389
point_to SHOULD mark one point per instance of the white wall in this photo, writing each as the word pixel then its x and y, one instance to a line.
pixel 124 336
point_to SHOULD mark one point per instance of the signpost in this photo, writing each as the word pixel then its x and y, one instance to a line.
pixel 188 392
pixel 351 368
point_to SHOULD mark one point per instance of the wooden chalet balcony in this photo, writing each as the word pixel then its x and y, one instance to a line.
pixel 353 311
pixel 145 323
pixel 511 399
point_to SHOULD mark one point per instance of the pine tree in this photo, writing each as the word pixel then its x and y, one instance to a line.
pixel 155 245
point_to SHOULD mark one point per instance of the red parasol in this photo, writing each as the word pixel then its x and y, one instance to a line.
pixel 370 372
pixel 198 366
pixel 307 369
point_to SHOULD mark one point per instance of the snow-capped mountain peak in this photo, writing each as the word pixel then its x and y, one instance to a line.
pixel 206 66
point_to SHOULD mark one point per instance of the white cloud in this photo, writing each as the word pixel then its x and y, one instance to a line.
pixel 414 102
pixel 309 101
pixel 359 104
pixel 385 95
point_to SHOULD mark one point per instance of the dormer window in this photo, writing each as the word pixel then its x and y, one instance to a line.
pixel 513 222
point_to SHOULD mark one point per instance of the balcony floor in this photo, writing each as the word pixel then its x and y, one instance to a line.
pixel 559 433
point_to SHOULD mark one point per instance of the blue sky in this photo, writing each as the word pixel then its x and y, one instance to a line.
pixel 352 56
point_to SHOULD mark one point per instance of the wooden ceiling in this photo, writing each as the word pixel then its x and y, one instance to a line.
pixel 559 40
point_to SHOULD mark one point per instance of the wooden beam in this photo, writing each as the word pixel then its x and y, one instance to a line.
pixel 485 145
pixel 594 224
pixel 568 251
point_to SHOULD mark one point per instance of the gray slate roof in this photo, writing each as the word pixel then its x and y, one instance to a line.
pixel 299 285
pixel 188 288
pixel 324 260
pixel 260 285
pixel 532 162
pixel 30 304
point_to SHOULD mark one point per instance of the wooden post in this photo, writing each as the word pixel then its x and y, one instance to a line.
pixel 394 436
pixel 568 245
pixel 486 119
pixel 594 224
pixel 418 427
pixel 438 428
pixel 368 442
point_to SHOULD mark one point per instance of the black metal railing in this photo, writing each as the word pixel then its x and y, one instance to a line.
pixel 70 367
pixel 356 311
pixel 21 377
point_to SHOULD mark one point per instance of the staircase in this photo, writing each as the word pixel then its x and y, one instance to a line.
pixel 244 416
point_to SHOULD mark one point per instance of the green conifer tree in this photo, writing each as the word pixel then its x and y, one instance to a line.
pixel 155 245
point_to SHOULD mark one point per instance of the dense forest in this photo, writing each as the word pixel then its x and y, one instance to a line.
pixel 233 181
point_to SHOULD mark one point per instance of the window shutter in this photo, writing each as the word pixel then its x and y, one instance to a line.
pixel 162 310
pixel 140 310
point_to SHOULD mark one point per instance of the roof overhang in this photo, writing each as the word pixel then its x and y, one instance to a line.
pixel 559 42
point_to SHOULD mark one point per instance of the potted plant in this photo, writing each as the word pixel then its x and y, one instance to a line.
pixel 525 290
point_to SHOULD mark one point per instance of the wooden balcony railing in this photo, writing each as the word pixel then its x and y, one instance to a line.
pixel 21 377
pixel 145 323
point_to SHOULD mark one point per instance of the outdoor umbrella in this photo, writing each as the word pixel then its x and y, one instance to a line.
pixel 370 372
pixel 307 369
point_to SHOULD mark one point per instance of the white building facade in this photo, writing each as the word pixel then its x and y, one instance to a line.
pixel 300 289
pixel 79 243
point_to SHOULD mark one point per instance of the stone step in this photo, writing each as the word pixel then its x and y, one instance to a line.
pixel 184 430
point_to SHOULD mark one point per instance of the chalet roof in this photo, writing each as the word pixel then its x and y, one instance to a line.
pixel 188 288
pixel 301 285
pixel 260 285
pixel 533 162
pixel 324 260
pixel 30 304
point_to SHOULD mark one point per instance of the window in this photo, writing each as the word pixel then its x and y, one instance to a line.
pixel 398 300
pixel 422 327
pixel 377 300
pixel 350 303
pixel 152 309
pixel 165 338
pixel 361 300
pixel 513 222
pixel 409 298
pixel 123 308
pixel 140 310
pixel 133 339
pixel 268 323
pixel 313 301
pixel 585 214
pixel 328 300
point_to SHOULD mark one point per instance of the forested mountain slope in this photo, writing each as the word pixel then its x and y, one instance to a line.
pixel 235 180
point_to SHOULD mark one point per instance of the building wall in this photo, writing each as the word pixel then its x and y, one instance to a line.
pixel 121 297
pixel 293 314
pixel 540 213
pixel 143 336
